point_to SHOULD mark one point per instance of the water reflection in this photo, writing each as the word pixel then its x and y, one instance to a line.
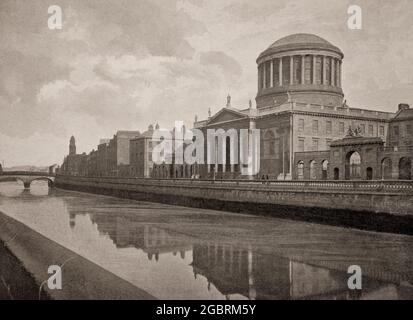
pixel 184 253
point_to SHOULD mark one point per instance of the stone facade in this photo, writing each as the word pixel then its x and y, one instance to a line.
pixel 140 154
pixel 118 154
pixel 300 113
pixel 363 158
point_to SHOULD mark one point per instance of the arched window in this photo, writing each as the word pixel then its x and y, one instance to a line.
pixel 386 168
pixel 300 170
pixel 325 170
pixel 313 169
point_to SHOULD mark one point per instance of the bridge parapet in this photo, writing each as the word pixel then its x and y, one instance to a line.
pixel 27 173
pixel 27 177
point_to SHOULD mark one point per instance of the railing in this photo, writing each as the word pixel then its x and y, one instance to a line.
pixel 26 173
pixel 396 186
pixel 397 148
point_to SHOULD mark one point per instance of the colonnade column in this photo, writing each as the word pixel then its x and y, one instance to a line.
pixel 332 68
pixel 264 80
pixel 302 69
pixel 324 70
pixel 291 69
pixel 338 73
pixel 271 73
pixel 280 72
pixel 314 67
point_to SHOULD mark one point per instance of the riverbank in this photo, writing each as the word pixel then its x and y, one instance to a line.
pixel 16 283
pixel 29 255
pixel 378 206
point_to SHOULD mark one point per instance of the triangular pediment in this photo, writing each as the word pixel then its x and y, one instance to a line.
pixel 227 114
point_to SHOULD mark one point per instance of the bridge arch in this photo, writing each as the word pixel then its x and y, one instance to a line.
pixel 27 178
pixel 28 181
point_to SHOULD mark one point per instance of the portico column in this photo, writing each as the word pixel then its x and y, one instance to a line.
pixel 302 69
pixel 324 70
pixel 271 73
pixel 314 64
pixel 280 72
pixel 333 76
pixel 291 69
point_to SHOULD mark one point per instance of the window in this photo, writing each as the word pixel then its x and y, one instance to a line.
pixel 329 127
pixel 363 129
pixel 315 126
pixel 315 144
pixel 370 129
pixel 313 168
pixel 300 170
pixel 341 127
pixel 409 129
pixel 277 148
pixel 396 131
pixel 300 125
pixel 381 131
pixel 269 143
pixel 301 144
pixel 324 173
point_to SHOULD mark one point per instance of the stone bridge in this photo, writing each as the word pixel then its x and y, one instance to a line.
pixel 27 177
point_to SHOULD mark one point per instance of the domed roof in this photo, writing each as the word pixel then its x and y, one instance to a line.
pixel 300 41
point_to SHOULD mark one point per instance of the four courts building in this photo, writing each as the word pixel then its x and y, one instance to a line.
pixel 307 130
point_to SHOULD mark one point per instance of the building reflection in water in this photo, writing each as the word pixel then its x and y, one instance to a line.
pixel 240 269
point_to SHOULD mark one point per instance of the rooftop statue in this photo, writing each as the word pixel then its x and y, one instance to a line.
pixel 356 132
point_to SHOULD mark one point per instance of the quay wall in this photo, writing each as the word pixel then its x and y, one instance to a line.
pixel 81 280
pixel 377 205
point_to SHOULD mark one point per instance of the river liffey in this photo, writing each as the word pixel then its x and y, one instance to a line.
pixel 173 252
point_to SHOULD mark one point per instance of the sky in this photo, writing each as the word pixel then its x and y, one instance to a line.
pixel 124 64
